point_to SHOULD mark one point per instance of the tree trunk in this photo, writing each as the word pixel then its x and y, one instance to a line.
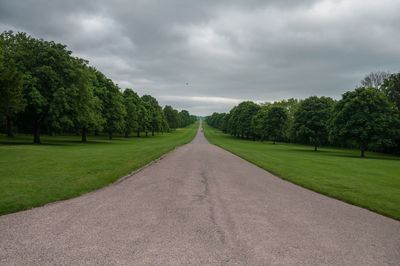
pixel 147 133
pixel 9 127
pixel 36 132
pixel 126 134
pixel 152 133
pixel 362 148
pixel 110 136
pixel 84 134
pixel 274 141
pixel 315 147
pixel 138 133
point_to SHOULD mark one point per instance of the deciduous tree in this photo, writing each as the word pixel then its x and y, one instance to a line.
pixel 311 120
pixel 364 116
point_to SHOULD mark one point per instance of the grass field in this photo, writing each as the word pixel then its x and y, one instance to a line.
pixel 372 182
pixel 62 167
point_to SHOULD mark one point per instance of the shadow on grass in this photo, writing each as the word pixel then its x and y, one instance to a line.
pixel 344 154
pixel 54 143
pixel 323 151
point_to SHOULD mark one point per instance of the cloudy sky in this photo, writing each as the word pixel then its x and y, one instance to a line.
pixel 207 56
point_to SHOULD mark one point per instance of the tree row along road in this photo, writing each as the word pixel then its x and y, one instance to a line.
pixel 200 205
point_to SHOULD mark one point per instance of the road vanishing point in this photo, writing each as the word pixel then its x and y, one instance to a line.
pixel 200 205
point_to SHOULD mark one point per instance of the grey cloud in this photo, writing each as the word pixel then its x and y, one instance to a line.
pixel 257 50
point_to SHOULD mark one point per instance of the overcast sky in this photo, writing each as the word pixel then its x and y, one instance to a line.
pixel 207 56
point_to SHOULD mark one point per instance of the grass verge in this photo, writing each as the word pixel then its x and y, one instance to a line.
pixel 372 182
pixel 62 167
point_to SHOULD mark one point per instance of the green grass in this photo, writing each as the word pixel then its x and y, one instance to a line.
pixel 372 182
pixel 62 167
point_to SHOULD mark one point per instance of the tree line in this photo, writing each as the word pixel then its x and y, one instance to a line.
pixel 43 87
pixel 367 118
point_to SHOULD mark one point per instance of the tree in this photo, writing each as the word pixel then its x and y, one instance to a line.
pixel 131 100
pixel 171 116
pixel 46 68
pixel 259 122
pixel 112 104
pixel 311 120
pixel 216 120
pixel 11 97
pixel 11 84
pixel 144 118
pixel 241 119
pixel 290 106
pixel 275 120
pixel 52 90
pixel 391 87
pixel 364 116
pixel 154 110
pixel 374 79
pixel 86 110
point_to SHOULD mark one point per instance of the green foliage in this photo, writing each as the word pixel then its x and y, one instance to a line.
pixel 171 116
pixel 391 87
pixel 50 89
pixel 176 119
pixel 11 95
pixel 311 120
pixel 275 120
pixel 132 102
pixel 291 105
pixel 11 84
pixel 155 114
pixel 240 121
pixel 112 104
pixel 259 122
pixel 364 116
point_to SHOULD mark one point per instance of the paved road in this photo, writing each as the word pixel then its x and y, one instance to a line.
pixel 200 205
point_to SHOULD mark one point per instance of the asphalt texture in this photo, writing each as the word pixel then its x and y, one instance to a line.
pixel 200 205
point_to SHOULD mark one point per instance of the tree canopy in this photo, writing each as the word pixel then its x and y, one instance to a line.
pixel 365 118
pixel 44 87
pixel 311 120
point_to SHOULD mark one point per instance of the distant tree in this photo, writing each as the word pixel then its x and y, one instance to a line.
pixel 291 106
pixel 241 119
pixel 216 120
pixel 311 120
pixel 146 115
pixel 275 120
pixel 131 101
pixel 165 125
pixel 171 116
pixel 374 79
pixel 225 122
pixel 112 104
pixel 184 118
pixel 391 87
pixel 364 116
pixel 154 110
pixel 259 122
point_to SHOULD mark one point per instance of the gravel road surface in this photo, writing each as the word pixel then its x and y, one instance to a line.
pixel 200 205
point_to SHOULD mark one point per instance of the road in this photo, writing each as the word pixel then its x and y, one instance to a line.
pixel 200 205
